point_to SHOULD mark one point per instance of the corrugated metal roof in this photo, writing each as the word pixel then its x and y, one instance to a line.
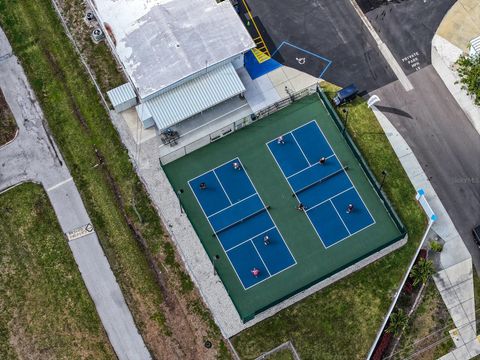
pixel 121 94
pixel 143 112
pixel 475 46
pixel 195 96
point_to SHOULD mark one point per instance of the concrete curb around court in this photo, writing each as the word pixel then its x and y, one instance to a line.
pixel 455 279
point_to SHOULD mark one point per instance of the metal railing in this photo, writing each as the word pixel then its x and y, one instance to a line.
pixel 236 125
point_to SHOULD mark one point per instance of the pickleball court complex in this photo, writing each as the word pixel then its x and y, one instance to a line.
pixel 243 192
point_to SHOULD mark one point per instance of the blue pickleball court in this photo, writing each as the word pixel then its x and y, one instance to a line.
pixel 241 221
pixel 324 189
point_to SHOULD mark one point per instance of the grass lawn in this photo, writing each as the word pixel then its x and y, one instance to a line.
pixel 166 307
pixel 429 324
pixel 98 56
pixel 341 321
pixel 46 312
pixel 281 355
pixel 8 126
pixel 476 294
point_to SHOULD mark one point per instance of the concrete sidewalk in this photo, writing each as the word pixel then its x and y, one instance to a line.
pixel 460 25
pixel 33 156
pixel 454 279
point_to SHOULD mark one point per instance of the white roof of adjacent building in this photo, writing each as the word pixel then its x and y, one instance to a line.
pixel 195 96
pixel 161 42
pixel 121 94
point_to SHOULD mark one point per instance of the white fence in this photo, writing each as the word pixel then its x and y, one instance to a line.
pixel 237 125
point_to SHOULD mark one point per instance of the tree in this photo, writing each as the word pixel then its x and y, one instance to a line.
pixel 422 271
pixel 468 67
pixel 398 322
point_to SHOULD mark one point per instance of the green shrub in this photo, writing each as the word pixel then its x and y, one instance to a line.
pixel 468 67
pixel 436 246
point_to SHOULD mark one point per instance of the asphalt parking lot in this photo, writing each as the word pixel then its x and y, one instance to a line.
pixel 407 27
pixel 323 38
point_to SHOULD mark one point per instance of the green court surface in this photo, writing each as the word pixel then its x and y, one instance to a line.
pixel 314 261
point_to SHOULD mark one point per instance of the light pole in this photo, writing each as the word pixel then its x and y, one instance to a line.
pixel 345 111
pixel 215 259
pixel 180 192
pixel 384 175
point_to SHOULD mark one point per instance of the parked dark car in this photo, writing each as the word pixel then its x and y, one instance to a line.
pixel 476 234
pixel 345 95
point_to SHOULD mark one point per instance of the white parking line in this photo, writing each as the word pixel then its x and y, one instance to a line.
pixel 59 184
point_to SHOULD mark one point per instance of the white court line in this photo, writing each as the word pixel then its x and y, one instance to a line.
pixel 250 239
pixel 269 215
pixel 353 186
pixel 218 239
pixel 309 167
pixel 330 198
pixel 59 184
pixel 229 206
pixel 343 222
pixel 228 197
pixel 215 168
pixel 211 226
pixel 294 138
pixel 260 256
pixel 351 182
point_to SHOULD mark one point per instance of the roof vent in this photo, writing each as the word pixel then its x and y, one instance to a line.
pixel 89 16
pixel 98 35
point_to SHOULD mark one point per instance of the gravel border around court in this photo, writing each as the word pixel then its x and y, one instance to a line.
pixel 194 256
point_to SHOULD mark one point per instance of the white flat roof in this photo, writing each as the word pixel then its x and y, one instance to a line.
pixel 161 42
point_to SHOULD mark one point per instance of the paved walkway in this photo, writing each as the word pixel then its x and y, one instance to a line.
pixel 33 156
pixel 454 279
pixel 460 25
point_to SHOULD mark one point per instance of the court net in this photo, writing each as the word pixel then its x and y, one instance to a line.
pixel 229 226
pixel 329 176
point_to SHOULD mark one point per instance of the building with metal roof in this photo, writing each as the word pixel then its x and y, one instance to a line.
pixel 203 92
pixel 179 56
pixel 122 97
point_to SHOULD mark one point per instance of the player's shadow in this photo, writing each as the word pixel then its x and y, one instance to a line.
pixel 395 111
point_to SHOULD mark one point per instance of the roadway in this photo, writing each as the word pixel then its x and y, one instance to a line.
pixel 444 142
pixel 428 117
